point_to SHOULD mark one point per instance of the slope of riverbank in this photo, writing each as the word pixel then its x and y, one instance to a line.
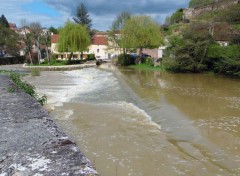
pixel 31 143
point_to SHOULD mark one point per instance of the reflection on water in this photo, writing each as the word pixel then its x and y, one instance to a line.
pixel 131 122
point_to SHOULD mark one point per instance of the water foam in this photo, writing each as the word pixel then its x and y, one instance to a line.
pixel 132 108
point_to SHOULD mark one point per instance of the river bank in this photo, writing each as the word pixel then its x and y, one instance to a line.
pixel 135 122
pixel 31 142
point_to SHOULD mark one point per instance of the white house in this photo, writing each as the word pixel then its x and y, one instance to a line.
pixel 98 47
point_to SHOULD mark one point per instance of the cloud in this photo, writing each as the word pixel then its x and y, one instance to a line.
pixel 102 12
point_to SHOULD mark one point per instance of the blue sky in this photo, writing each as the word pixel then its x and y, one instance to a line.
pixel 102 12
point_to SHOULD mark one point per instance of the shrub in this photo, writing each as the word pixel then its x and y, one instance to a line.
pixel 35 72
pixel 216 52
pixel 126 59
pixel 91 57
pixel 73 62
pixel 27 88
pixel 149 61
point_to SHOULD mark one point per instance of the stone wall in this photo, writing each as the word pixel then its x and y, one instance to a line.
pixel 220 5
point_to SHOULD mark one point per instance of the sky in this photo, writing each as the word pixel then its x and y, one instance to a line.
pixel 102 12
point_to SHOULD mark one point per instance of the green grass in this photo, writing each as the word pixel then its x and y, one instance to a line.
pixel 147 67
pixel 4 72
pixel 236 26
pixel 58 63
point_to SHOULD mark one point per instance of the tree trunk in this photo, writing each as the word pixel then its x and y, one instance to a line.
pixel 70 57
pixel 48 58
pixel 39 50
pixel 81 56
pixel 140 55
pixel 30 57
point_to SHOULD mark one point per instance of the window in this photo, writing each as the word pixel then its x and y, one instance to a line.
pixel 97 50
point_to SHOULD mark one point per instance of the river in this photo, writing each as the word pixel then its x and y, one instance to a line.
pixel 143 123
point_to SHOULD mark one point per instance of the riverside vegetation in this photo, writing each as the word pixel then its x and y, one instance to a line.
pixel 192 46
pixel 27 88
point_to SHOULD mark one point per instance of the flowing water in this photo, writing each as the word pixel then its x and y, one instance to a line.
pixel 140 123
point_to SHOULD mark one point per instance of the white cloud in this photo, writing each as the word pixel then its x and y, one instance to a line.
pixel 102 12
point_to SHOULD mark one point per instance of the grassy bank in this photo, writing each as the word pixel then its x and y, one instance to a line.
pixel 147 67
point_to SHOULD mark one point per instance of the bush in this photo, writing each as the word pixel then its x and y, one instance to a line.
pixel 91 57
pixel 27 88
pixel 74 62
pixel 217 52
pixel 149 61
pixel 35 72
pixel 126 59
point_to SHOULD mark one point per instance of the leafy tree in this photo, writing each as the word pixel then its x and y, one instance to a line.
pixel 53 30
pixel 9 41
pixel 117 27
pixel 4 22
pixel 176 17
pixel 73 38
pixel 83 18
pixel 141 32
pixel 189 52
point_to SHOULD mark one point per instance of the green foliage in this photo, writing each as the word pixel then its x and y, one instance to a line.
pixel 117 26
pixel 35 72
pixel 126 59
pixel 27 88
pixel 73 38
pixel 11 89
pixel 91 57
pixel 53 30
pixel 230 15
pixel 176 17
pixel 217 52
pixel 199 3
pixel 9 40
pixel 189 53
pixel 4 22
pixel 141 32
pixel 83 18
pixel 149 61
pixel 146 67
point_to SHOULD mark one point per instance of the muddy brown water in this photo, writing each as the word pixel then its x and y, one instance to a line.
pixel 143 123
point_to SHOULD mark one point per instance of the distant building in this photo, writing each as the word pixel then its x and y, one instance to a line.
pixel 98 47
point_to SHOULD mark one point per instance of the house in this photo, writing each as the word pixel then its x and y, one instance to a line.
pixel 98 47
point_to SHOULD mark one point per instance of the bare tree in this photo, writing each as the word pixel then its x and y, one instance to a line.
pixel 27 39
pixel 36 29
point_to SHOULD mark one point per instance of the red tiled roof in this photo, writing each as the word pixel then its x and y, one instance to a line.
pixel 100 40
pixel 97 40
pixel 54 38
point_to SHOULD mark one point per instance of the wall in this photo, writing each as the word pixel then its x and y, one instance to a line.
pixel 220 5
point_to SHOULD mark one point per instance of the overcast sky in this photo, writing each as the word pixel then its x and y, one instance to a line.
pixel 102 12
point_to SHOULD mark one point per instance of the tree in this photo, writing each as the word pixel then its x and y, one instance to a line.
pixel 141 32
pixel 73 38
pixel 117 26
pixel 83 18
pixel 176 17
pixel 9 41
pixel 27 38
pixel 189 51
pixel 53 30
pixel 4 22
pixel 36 30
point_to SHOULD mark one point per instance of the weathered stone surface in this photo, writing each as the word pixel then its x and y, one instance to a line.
pixel 31 143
